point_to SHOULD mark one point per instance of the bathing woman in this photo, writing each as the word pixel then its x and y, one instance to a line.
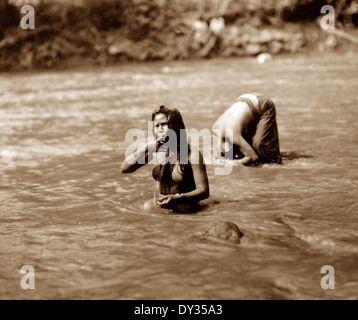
pixel 252 120
pixel 180 169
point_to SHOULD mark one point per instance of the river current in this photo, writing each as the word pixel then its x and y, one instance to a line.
pixel 67 211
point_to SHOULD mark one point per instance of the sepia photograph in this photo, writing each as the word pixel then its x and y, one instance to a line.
pixel 178 150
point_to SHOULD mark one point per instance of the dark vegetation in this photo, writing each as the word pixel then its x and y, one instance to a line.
pixel 110 31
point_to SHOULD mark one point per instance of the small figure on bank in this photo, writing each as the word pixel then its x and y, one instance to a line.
pixel 252 122
pixel 182 176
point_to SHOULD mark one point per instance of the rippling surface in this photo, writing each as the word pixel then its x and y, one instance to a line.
pixel 67 211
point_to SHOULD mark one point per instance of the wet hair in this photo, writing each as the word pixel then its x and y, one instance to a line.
pixel 176 123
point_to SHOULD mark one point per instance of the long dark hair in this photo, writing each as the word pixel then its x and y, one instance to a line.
pixel 176 123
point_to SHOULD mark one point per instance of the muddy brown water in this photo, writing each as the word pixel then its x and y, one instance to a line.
pixel 67 211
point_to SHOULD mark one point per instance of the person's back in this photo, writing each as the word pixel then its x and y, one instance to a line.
pixel 252 119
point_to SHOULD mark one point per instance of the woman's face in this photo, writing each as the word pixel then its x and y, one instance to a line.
pixel 161 127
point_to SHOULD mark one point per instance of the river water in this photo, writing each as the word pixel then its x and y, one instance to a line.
pixel 67 211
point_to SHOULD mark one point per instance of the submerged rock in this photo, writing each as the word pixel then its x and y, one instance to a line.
pixel 225 231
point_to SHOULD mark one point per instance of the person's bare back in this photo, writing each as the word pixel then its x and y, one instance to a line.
pixel 248 130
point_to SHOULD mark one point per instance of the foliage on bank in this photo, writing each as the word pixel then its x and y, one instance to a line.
pixel 110 31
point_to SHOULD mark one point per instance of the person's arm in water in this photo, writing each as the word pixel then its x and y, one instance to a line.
pixel 141 157
pixel 236 119
pixel 244 118
pixel 202 191
pixel 246 149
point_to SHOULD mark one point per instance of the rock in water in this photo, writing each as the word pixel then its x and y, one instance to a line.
pixel 226 231
pixel 264 57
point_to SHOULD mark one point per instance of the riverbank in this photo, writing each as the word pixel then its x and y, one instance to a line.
pixel 151 33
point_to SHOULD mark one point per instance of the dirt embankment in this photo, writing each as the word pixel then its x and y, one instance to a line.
pixel 112 31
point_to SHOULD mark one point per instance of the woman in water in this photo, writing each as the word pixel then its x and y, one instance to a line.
pixel 252 120
pixel 181 172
